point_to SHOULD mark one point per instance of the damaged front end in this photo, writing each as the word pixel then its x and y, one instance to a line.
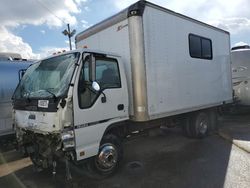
pixel 43 112
pixel 47 150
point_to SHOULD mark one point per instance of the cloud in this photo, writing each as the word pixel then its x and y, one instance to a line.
pixel 72 6
pixel 122 4
pixel 80 1
pixel 37 12
pixel 87 9
pixel 85 24
pixel 13 43
pixel 72 43
pixel 42 31
pixel 233 25
pixel 240 44
pixel 33 12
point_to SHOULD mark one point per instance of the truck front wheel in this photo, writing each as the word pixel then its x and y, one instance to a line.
pixel 108 158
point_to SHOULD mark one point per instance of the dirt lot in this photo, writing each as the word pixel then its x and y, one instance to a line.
pixel 164 158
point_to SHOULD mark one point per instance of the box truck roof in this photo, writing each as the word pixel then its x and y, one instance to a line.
pixel 134 9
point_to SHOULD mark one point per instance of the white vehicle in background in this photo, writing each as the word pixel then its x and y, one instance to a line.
pixel 240 57
pixel 10 56
pixel 12 68
pixel 151 67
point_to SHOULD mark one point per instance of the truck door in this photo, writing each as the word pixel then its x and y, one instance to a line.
pixel 95 110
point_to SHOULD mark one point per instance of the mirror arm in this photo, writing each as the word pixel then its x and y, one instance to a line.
pixel 104 98
pixel 96 88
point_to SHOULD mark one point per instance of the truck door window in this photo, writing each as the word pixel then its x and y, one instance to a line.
pixel 107 75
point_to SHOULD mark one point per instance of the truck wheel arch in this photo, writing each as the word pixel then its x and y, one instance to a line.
pixel 119 129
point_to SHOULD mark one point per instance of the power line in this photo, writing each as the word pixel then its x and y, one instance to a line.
pixel 45 7
pixel 65 32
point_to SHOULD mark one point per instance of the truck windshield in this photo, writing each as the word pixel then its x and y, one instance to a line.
pixel 48 78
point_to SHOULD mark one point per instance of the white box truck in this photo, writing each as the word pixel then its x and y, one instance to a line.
pixel 151 67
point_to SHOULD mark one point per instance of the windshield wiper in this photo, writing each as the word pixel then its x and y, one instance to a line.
pixel 54 96
pixel 23 90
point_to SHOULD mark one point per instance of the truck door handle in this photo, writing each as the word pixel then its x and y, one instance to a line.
pixel 120 107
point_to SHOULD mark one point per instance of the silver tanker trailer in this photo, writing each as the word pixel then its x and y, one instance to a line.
pixel 11 72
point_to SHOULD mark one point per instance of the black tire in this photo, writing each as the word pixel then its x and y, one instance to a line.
pixel 200 124
pixel 108 159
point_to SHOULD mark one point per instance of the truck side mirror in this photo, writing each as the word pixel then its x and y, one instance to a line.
pixel 96 86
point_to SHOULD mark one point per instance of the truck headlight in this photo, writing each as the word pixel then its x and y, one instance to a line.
pixel 68 139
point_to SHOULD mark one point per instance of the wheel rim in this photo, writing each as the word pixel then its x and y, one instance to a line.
pixel 107 157
pixel 203 126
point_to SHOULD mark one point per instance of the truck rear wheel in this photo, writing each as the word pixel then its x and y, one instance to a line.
pixel 200 124
pixel 108 158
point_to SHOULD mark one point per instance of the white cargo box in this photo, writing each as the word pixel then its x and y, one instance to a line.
pixel 174 64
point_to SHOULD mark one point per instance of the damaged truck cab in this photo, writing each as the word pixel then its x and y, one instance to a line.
pixel 63 106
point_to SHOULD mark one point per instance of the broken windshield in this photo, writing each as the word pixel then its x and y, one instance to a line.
pixel 48 78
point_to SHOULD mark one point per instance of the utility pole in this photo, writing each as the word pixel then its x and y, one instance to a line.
pixel 70 34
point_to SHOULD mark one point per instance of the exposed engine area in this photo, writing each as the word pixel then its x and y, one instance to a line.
pixel 46 150
pixel 42 149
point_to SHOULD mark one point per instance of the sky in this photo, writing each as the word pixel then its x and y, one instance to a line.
pixel 34 28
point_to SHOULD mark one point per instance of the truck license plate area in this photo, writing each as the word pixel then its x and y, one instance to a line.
pixel 43 103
